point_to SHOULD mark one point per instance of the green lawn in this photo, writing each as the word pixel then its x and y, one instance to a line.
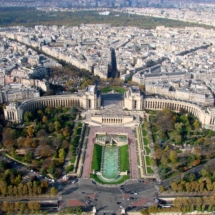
pixel 144 132
pixel 118 89
pixel 124 158
pixel 18 157
pixel 147 160
pixel 70 168
pixel 149 170
pixel 147 150
pixel 75 140
pixel 145 141
pixel 124 178
pixel 97 157
pixel 72 160
pixel 79 131
pixel 151 111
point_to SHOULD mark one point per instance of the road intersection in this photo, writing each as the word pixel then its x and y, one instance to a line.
pixel 108 199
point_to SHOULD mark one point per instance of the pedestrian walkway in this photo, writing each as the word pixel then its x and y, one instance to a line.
pixel 74 203
pixel 139 154
pixel 139 203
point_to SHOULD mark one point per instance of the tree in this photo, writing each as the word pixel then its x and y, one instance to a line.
pixel 210 208
pixel 184 119
pixel 56 142
pixel 197 150
pixel 15 191
pixel 161 188
pixel 164 159
pixel 42 133
pixel 203 208
pixel 79 210
pixel 28 142
pixel 28 116
pixel 17 180
pixel 62 153
pixel 21 207
pixel 196 124
pixel 165 120
pixel 133 83
pixel 40 113
pixel 34 206
pixel 188 186
pixel 20 187
pixel 188 129
pixel 57 126
pixel 12 152
pixel 201 141
pixel 70 210
pixel 173 156
pixel 198 201
pixel 51 127
pixel 53 191
pixel 44 184
pixel 191 177
pixel 201 186
pixel 3 184
pixel 20 141
pixel 28 157
pixel 8 207
pixel 9 134
pixel 45 151
pixel 10 190
pixel 178 138
pixel 39 190
pixel 51 169
pixel 174 186
pixel 65 144
pixel 196 162
pixel 204 172
pixel 178 127
pixel 38 126
pixel 158 153
pixel 48 110
pixel 153 209
pixel 8 143
pixel 86 83
pixel 44 119
pixel 30 131
pixel 210 166
pixel 67 131
pixel 57 172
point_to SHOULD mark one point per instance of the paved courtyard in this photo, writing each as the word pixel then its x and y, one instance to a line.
pixel 112 103
pixel 90 147
pixel 112 100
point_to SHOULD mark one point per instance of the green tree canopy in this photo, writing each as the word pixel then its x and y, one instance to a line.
pixel 28 116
